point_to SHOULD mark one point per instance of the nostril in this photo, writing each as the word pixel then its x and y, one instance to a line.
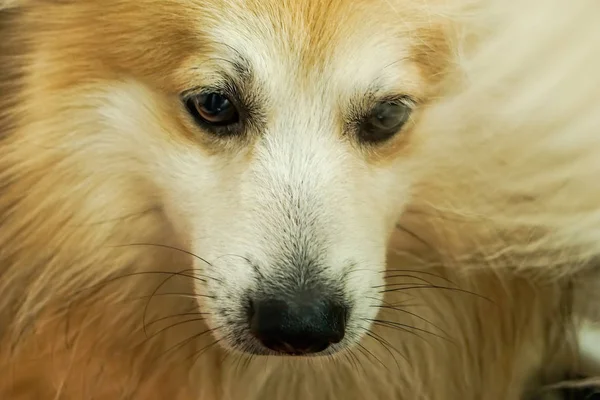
pixel 297 327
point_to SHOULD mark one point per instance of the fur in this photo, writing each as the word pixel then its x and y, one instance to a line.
pixel 107 188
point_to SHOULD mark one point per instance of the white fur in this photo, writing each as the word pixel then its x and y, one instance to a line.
pixel 236 209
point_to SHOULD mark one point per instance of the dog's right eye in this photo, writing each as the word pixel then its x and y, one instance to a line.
pixel 212 110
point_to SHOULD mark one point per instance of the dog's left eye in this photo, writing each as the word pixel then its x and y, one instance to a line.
pixel 385 120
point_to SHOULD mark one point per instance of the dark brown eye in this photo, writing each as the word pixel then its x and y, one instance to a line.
pixel 213 109
pixel 385 120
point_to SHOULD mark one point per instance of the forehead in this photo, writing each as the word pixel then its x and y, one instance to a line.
pixel 356 44
pixel 308 28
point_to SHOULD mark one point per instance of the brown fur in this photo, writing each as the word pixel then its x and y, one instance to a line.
pixel 77 283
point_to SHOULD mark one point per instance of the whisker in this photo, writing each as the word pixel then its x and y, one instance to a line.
pixel 165 246
pixel 408 329
pixel 369 353
pixel 385 348
pixel 186 341
pixel 234 255
pixel 433 287
pixel 360 362
pixel 145 313
pixel 416 316
pixel 386 303
pixel 117 219
pixel 183 295
pixel 187 314
pixel 403 329
pixel 202 351
pixel 416 236
pixel 380 337
pixel 67 309
pixel 69 306
pixel 410 271
pixel 240 362
pixel 247 361
pixel 248 261
pixel 155 334
pixel 403 276
pixel 106 282
pixel 443 216
pixel 352 362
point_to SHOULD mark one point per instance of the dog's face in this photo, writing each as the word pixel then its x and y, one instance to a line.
pixel 276 136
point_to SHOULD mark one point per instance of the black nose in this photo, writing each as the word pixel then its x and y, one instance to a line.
pixel 299 325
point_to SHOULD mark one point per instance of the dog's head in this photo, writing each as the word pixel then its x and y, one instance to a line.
pixel 276 136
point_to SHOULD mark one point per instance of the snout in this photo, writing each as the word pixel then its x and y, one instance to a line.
pixel 301 324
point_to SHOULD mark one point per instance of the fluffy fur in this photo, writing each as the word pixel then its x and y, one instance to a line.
pixel 107 186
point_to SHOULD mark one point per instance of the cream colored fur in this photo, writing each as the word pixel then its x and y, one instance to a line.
pixel 526 130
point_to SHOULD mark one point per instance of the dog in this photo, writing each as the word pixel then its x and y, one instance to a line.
pixel 202 200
